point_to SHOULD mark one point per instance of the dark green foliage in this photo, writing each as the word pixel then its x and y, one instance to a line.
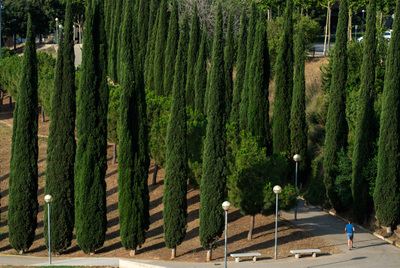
pixel 240 69
pixel 342 185
pixel 113 58
pixel 61 144
pixel 23 182
pixel 149 62
pixel 113 114
pixel 91 153
pixel 284 85
pixel 298 124
pixel 194 46
pixel 176 170
pixel 336 125
pixel 229 54
pixel 171 49
pixel 387 188
pixel 287 199
pixel 258 111
pixel 244 101
pixel 133 195
pixel 143 28
pixel 159 50
pixel 212 188
pixel 201 75
pixel 366 129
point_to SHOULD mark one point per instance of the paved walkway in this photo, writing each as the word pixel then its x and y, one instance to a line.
pixel 369 250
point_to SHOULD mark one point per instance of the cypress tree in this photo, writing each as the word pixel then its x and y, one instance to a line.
pixel 201 74
pixel 159 51
pixel 143 28
pixel 283 85
pixel 240 68
pixel 229 62
pixel 258 119
pixel 171 50
pixel 212 188
pixel 91 154
pixel 23 182
pixel 365 132
pixel 387 187
pixel 149 62
pixel 298 124
pixel 194 46
pixel 244 99
pixel 61 144
pixel 113 68
pixel 133 195
pixel 336 125
pixel 176 170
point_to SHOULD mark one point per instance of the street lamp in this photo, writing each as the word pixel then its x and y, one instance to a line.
pixel 59 32
pixel 1 7
pixel 277 190
pixel 56 30
pixel 225 206
pixel 48 199
pixel 297 159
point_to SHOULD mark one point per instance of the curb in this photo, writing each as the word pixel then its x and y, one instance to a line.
pixel 362 228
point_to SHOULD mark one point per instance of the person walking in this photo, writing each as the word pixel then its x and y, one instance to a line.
pixel 349 229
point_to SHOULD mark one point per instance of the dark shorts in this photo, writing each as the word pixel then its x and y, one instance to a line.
pixel 349 236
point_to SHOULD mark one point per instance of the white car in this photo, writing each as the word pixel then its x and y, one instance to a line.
pixel 387 35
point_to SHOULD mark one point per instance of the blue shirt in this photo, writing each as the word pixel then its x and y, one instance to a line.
pixel 349 228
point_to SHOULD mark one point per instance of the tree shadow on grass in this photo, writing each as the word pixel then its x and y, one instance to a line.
pixel 109 248
pixel 155 232
pixel 111 173
pixel 112 222
pixel 4 177
pixel 112 207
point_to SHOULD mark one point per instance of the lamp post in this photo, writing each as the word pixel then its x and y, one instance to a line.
pixel 56 30
pixel 48 199
pixel 1 7
pixel 363 16
pixel 277 190
pixel 297 159
pixel 225 206
pixel 60 27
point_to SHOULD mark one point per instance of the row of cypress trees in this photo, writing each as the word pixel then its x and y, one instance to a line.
pixel 213 94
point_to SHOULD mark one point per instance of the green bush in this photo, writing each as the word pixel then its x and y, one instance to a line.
pixel 343 181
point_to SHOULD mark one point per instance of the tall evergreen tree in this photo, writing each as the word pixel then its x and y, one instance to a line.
pixel 298 124
pixel 159 51
pixel 229 54
pixel 258 112
pixel 176 170
pixel 61 144
pixel 201 74
pixel 171 50
pixel 336 125
pixel 91 154
pixel 194 46
pixel 143 27
pixel 133 195
pixel 283 85
pixel 113 68
pixel 387 187
pixel 212 188
pixel 244 99
pixel 150 52
pixel 240 69
pixel 23 182
pixel 366 129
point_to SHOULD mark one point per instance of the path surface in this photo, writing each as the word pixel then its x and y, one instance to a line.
pixel 369 251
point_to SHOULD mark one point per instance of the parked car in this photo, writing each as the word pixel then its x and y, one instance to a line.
pixel 387 35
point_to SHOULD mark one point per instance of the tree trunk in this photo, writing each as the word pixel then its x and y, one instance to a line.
pixel 21 251
pixel 209 253
pixel 132 253
pixel 10 102
pixel 114 153
pixel 389 231
pixel 173 253
pixel 252 220
pixel 329 25
pixel 326 31
pixel 42 112
pixel 269 15
pixel 154 182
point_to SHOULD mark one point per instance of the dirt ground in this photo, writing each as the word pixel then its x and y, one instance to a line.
pixel 289 236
